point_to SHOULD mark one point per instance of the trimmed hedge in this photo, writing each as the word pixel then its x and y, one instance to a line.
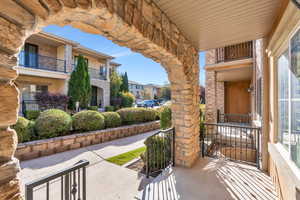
pixel 32 114
pixel 95 108
pixel 112 119
pixel 165 117
pixel 136 115
pixel 52 123
pixel 88 120
pixel 109 109
pixel 21 127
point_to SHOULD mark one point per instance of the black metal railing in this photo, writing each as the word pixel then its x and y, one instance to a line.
pixel 234 52
pixel 38 61
pixel 160 151
pixel 72 184
pixel 235 142
pixel 29 105
pixel 94 73
pixel 233 118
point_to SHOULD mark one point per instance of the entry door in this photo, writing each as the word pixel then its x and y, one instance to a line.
pixel 31 55
pixel 237 97
pixel 94 101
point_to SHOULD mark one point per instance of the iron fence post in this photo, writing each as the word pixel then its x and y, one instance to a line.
pixel 173 149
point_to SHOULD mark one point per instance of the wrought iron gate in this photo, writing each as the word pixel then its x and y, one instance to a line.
pixel 233 142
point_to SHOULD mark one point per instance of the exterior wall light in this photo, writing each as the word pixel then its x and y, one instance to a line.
pixel 297 3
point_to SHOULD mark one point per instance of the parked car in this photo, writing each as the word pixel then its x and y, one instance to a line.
pixel 140 104
pixel 147 104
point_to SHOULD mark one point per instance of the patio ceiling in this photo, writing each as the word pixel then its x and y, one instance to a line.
pixel 215 23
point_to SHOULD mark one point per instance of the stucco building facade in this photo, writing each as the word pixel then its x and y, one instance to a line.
pixel 46 62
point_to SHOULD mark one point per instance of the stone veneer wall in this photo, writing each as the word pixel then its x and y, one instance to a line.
pixel 39 148
pixel 137 24
pixel 214 90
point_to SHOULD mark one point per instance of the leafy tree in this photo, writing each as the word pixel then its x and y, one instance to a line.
pixel 79 84
pixel 124 86
pixel 115 84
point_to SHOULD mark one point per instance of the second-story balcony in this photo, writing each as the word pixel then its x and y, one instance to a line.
pixel 234 52
pixel 37 61
pixel 94 73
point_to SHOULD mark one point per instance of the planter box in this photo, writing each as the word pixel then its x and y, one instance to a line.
pixel 39 148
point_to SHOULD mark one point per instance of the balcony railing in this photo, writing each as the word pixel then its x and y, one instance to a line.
pixel 233 118
pixel 94 73
pixel 234 52
pixel 37 61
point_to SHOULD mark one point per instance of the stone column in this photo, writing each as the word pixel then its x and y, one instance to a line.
pixel 9 105
pixel 68 57
pixel 185 111
pixel 210 97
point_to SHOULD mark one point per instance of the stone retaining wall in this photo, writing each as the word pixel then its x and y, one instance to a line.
pixel 39 148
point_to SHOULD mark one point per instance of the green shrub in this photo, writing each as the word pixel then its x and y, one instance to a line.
pixel 157 159
pixel 88 120
pixel 165 117
pixel 21 127
pixel 127 99
pixel 32 114
pixel 136 115
pixel 95 108
pixel 52 123
pixel 112 119
pixel 109 109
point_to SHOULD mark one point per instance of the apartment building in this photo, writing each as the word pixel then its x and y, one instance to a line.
pixel 137 89
pixel 46 62
pixel 152 90
pixel 233 83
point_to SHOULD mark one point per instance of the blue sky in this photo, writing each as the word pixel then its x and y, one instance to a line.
pixel 138 67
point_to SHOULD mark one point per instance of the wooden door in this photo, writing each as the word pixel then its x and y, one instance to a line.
pixel 237 97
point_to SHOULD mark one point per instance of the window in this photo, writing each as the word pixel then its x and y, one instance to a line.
pixel 289 99
pixel 103 70
pixel 30 56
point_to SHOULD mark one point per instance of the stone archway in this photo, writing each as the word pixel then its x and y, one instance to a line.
pixel 137 24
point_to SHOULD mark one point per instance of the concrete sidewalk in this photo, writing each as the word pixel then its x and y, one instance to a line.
pixel 109 180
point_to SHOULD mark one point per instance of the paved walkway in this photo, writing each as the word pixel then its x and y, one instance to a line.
pixel 105 180
pixel 211 179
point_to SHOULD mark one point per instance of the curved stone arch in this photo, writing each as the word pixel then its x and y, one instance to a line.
pixel 136 24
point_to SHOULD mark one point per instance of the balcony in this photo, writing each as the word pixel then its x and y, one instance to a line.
pixel 36 61
pixel 96 74
pixel 234 52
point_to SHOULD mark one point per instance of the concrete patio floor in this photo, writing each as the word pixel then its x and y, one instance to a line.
pixel 211 179
pixel 104 180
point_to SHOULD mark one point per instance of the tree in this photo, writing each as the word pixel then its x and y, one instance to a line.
pixel 79 84
pixel 115 84
pixel 124 86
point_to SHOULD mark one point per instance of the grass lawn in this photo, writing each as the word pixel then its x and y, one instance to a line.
pixel 123 158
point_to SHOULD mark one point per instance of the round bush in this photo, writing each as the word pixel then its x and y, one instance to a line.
pixel 112 119
pixel 165 117
pixel 52 123
pixel 127 99
pixel 136 115
pixel 88 120
pixel 32 114
pixel 21 128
